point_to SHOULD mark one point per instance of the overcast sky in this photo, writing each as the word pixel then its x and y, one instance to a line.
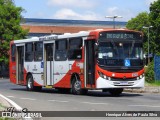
pixel 83 9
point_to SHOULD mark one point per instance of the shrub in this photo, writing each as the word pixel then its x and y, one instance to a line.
pixel 149 74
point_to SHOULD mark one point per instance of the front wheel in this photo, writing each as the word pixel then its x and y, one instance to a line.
pixel 76 87
pixel 115 91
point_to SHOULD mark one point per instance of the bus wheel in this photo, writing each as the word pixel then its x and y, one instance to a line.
pixel 30 86
pixel 104 90
pixel 76 86
pixel 115 91
pixel 37 88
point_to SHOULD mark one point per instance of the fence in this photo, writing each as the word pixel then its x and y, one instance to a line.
pixel 157 67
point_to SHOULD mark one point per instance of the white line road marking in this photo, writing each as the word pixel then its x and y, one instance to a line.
pixel 57 101
pixel 12 103
pixel 95 103
pixel 143 106
pixel 27 99
pixel 11 96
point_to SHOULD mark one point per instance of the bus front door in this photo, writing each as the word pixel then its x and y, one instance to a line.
pixel 20 65
pixel 89 63
pixel 48 64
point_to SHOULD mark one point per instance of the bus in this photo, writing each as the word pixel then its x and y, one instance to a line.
pixel 108 60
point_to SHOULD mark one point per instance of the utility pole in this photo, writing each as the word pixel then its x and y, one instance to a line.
pixel 148 39
pixel 113 17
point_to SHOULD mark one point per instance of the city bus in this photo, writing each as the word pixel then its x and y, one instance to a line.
pixel 108 60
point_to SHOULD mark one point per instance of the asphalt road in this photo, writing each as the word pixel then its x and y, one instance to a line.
pixel 52 100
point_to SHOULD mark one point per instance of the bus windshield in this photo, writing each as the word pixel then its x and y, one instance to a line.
pixel 116 53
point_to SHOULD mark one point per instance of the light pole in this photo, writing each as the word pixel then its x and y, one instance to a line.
pixel 113 17
pixel 148 39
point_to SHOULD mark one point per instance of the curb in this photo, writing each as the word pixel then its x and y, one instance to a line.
pixel 9 103
pixel 147 89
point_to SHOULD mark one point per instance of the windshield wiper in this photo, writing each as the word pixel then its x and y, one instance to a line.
pixel 132 48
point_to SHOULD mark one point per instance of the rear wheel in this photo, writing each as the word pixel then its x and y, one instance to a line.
pixel 30 84
pixel 104 90
pixel 115 91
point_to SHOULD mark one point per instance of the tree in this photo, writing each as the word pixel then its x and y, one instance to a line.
pixel 155 22
pixel 10 29
pixel 137 23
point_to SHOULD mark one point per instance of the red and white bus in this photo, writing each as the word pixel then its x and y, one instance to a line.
pixel 109 60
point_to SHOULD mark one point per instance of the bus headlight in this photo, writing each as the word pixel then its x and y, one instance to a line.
pixel 141 76
pixel 103 76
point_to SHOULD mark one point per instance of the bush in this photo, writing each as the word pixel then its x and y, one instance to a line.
pixel 149 74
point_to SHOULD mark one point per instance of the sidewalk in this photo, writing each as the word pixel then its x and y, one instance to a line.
pixel 146 89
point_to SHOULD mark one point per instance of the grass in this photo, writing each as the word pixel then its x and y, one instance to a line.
pixel 1 107
pixel 156 83
pixel 6 118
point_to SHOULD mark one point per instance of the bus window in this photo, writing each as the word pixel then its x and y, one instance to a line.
pixel 61 50
pixel 75 48
pixel 38 51
pixel 13 50
pixel 29 52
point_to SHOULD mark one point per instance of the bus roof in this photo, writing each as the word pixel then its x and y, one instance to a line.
pixel 69 35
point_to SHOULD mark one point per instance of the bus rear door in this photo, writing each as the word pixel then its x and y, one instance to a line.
pixel 48 64
pixel 20 64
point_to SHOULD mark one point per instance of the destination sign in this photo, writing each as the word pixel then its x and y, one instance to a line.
pixel 120 35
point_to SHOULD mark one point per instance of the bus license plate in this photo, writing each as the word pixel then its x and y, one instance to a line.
pixel 124 83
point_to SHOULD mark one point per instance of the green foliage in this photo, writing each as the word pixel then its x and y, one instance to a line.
pixel 137 23
pixel 148 19
pixel 149 75
pixel 155 22
pixel 10 28
pixel 156 83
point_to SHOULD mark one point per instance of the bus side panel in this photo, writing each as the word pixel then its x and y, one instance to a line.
pixel 65 81
pixel 36 70
pixel 12 72
pixel 12 65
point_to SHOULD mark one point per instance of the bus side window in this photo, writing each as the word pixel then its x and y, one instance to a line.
pixel 61 50
pixel 75 48
pixel 29 52
pixel 38 54
pixel 13 50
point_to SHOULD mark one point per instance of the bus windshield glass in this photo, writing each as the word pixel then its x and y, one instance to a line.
pixel 120 50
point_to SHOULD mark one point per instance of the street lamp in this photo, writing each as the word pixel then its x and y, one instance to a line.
pixel 113 17
pixel 148 39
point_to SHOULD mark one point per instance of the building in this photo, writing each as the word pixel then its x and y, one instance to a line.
pixel 41 27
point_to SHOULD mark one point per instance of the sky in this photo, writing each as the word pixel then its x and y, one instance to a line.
pixel 83 9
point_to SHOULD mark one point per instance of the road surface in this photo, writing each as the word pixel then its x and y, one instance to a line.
pixel 52 100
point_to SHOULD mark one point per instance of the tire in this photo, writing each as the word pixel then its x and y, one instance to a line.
pixel 37 88
pixel 115 91
pixel 63 90
pixel 76 87
pixel 104 90
pixel 30 86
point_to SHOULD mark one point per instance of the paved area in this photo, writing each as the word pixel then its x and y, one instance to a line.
pixel 148 89
pixel 51 100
